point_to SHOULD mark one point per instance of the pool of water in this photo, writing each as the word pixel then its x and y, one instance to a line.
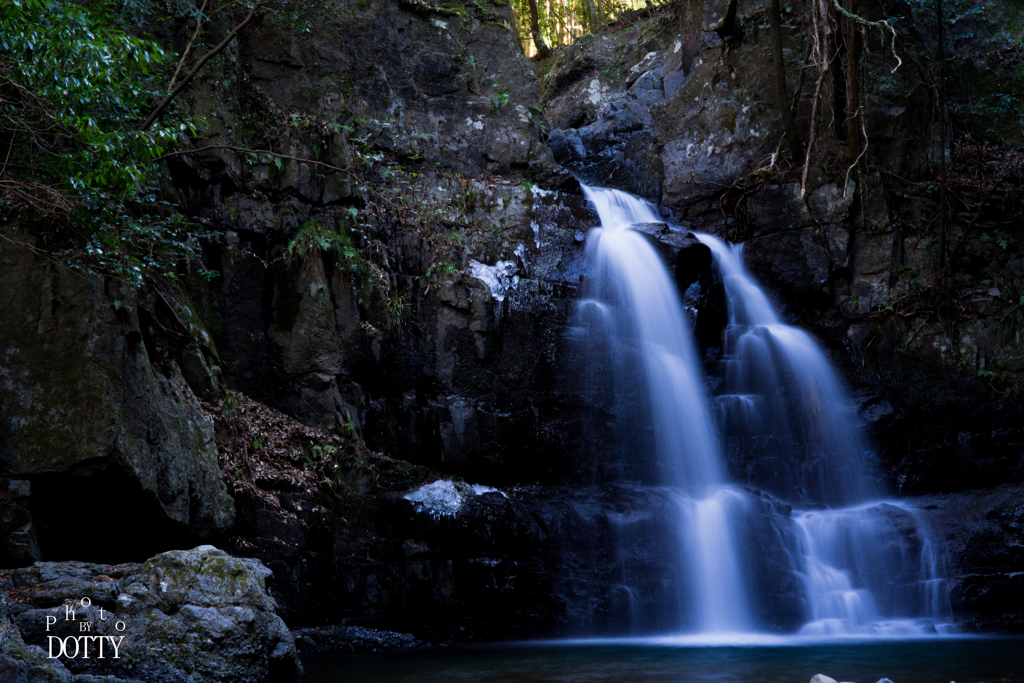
pixel 679 660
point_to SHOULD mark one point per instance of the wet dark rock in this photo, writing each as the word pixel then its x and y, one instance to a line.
pixel 795 263
pixel 19 544
pixel 523 562
pixel 618 119
pixel 352 639
pixel 987 547
pixel 566 146
pixel 653 230
pixel 477 382
pixel 935 432
pixel 767 542
pixel 692 262
pixel 559 146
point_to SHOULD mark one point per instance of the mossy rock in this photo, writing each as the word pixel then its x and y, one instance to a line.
pixel 81 399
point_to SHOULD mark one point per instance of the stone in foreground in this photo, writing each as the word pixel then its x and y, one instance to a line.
pixel 185 616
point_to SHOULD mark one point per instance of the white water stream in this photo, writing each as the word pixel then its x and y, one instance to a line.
pixel 791 393
pixel 780 389
pixel 640 307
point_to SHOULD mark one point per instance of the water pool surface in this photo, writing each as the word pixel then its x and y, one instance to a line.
pixel 668 660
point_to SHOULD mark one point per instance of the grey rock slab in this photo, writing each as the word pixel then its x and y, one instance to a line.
pixel 185 615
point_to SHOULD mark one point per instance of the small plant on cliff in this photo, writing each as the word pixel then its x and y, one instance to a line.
pixel 395 314
pixel 442 269
pixel 499 99
pixel 314 240
pixel 229 407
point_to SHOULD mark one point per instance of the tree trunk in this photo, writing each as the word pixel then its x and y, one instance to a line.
pixel 538 40
pixel 691 31
pixel 564 30
pixel 726 27
pixel 514 22
pixel 836 89
pixel 556 39
pixel 158 112
pixel 591 15
pixel 795 149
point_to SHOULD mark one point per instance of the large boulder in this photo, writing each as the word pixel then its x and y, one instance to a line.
pixel 989 558
pixel 195 615
pixel 87 406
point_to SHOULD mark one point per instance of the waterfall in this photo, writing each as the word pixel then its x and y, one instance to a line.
pixel 788 391
pixel 864 567
pixel 841 552
pixel 635 302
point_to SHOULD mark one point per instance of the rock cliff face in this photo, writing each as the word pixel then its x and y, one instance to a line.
pixel 87 404
pixel 448 81
pixel 986 547
pixel 401 338
pixel 667 110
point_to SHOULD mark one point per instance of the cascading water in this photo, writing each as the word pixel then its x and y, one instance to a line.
pixel 637 305
pixel 841 552
pixel 791 401
pixel 784 404
pixel 866 568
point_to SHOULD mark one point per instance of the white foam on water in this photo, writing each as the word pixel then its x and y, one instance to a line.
pixel 445 498
pixel 759 639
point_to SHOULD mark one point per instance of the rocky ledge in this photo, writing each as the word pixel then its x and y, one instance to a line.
pixel 348 638
pixel 183 616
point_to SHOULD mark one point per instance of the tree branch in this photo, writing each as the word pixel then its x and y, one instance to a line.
pixel 155 114
pixel 775 30
pixel 256 151
pixel 822 61
pixel 188 48
pixel 882 25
